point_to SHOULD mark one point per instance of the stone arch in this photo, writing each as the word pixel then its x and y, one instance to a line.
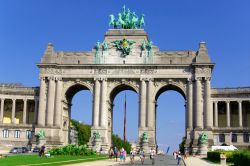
pixel 117 87
pixel 73 88
pixel 176 86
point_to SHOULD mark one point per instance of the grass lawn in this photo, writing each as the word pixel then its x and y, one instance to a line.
pixel 54 160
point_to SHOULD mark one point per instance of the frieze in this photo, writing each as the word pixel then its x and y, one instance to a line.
pixel 203 70
pixel 51 71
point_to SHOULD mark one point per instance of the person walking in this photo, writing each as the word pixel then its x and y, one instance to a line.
pixel 115 153
pixel 111 153
pixel 152 155
pixel 121 154
pixel 142 156
pixel 132 156
pixel 124 155
pixel 179 158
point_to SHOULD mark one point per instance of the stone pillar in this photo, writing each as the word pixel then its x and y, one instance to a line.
pixel 2 110
pixel 13 114
pixel 228 113
pixel 104 111
pixel 215 114
pixel 208 104
pixel 190 105
pixel 24 111
pixel 42 102
pixel 35 113
pixel 95 122
pixel 240 113
pixel 150 106
pixel 51 101
pixel 142 117
pixel 198 106
pixel 58 102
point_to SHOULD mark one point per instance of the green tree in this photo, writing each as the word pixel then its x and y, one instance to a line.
pixel 83 132
pixel 182 145
pixel 119 143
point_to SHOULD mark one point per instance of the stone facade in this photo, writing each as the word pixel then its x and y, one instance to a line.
pixel 148 72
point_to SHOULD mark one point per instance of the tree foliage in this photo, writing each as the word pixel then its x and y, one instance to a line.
pixel 119 143
pixel 83 132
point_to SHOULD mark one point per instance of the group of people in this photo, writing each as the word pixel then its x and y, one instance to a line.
pixel 122 154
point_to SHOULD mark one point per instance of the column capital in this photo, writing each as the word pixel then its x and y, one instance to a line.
pixel 25 99
pixel 207 78
pixel 239 101
pixel 2 99
pixel 58 78
pixel 97 79
pixel 198 79
pixel 216 102
pixel 51 78
pixel 228 101
pixel 42 78
pixel 14 99
pixel 190 80
pixel 143 79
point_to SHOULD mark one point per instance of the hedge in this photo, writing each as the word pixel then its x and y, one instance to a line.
pixel 239 158
pixel 215 155
pixel 242 158
pixel 72 150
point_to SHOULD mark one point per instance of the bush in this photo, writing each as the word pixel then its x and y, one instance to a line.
pixel 242 158
pixel 119 143
pixel 215 155
pixel 72 150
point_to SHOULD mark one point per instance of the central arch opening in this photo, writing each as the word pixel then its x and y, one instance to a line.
pixel 170 115
pixel 119 104
pixel 79 112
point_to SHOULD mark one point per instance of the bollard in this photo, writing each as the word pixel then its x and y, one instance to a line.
pixel 223 159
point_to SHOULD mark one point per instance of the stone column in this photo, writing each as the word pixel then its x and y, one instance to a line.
pixel 51 101
pixel 2 110
pixel 190 105
pixel 228 113
pixel 208 104
pixel 42 102
pixel 24 111
pixel 142 117
pixel 104 111
pixel 58 106
pixel 35 113
pixel 240 113
pixel 96 103
pixel 150 106
pixel 216 114
pixel 13 114
pixel 198 106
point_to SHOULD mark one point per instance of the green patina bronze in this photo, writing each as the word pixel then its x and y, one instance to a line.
pixel 145 137
pixel 41 135
pixel 203 138
pixel 126 20
pixel 105 46
pixel 96 135
pixel 124 46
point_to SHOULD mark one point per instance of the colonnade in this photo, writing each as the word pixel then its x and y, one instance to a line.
pixel 13 110
pixel 228 113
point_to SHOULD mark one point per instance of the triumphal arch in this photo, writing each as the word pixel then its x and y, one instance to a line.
pixel 127 59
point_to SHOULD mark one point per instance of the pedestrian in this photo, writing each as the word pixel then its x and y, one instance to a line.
pixel 111 153
pixel 152 155
pixel 179 158
pixel 132 156
pixel 142 156
pixel 116 153
pixel 175 154
pixel 124 155
pixel 121 154
pixel 42 150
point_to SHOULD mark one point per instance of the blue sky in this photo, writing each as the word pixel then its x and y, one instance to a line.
pixel 27 26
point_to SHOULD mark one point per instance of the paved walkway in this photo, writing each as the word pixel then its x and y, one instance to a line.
pixel 197 161
pixel 160 160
